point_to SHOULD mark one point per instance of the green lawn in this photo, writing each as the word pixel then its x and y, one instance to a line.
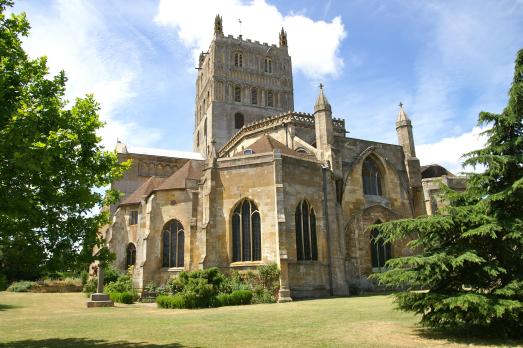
pixel 62 320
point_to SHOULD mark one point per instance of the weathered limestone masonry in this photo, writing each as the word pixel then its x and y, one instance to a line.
pixel 267 184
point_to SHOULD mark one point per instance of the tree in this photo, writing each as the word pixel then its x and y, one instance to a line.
pixel 51 161
pixel 471 259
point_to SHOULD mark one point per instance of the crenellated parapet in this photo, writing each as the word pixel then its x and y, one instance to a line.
pixel 298 119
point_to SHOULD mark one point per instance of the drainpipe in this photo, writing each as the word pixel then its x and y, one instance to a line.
pixel 324 169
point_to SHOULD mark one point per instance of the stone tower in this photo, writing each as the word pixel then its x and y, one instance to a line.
pixel 239 81
pixel 406 140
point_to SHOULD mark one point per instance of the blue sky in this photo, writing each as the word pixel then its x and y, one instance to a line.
pixel 445 60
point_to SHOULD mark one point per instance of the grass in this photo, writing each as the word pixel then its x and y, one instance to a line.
pixel 62 320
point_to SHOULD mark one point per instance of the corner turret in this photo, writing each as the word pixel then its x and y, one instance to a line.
pixel 412 164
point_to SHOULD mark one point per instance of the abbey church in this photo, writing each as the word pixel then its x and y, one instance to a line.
pixel 267 184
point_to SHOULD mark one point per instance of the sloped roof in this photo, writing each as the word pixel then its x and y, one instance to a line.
pixel 266 143
pixel 192 169
pixel 143 191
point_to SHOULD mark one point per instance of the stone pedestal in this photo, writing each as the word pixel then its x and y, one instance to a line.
pixel 100 300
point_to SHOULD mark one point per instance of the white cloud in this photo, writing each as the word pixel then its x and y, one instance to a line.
pixel 76 37
pixel 448 151
pixel 466 57
pixel 313 45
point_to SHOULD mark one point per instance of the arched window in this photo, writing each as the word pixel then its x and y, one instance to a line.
pixel 270 98
pixel 371 178
pixel 173 244
pixel 380 251
pixel 238 59
pixel 254 96
pixel 246 232
pixel 237 93
pixel 238 120
pixel 306 244
pixel 130 255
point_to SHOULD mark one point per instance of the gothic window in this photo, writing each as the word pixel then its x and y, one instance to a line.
pixel 173 240
pixel 380 251
pixel 198 138
pixel 237 94
pixel 254 96
pixel 238 59
pixel 270 98
pixel 246 232
pixel 238 120
pixel 339 190
pixel 130 252
pixel 133 217
pixel 371 178
pixel 268 65
pixel 306 244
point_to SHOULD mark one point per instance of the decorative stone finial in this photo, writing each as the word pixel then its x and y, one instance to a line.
pixel 402 115
pixel 322 103
pixel 218 25
pixel 283 38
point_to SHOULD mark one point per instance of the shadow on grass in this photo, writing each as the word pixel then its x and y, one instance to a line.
pixel 83 342
pixel 4 307
pixel 466 338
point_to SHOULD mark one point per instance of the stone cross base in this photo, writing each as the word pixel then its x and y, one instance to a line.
pixel 100 300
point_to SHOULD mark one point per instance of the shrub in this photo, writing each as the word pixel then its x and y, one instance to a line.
pixel 122 284
pixel 235 298
pixel 269 276
pixel 3 282
pixel 241 297
pixel 111 274
pixel 21 286
pixel 261 295
pixel 90 286
pixel 171 301
pixel 84 276
pixel 122 297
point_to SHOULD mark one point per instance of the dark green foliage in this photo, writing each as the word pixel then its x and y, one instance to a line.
pixel 170 301
pixel 235 298
pixel 122 284
pixel 198 288
pixel 471 261
pixel 21 286
pixel 3 282
pixel 51 160
pixel 126 297
pixel 90 286
pixel 112 274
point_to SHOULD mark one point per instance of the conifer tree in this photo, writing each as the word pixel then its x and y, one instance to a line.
pixel 470 264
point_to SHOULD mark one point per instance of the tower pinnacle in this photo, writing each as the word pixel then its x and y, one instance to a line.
pixel 283 38
pixel 218 25
pixel 322 103
pixel 402 115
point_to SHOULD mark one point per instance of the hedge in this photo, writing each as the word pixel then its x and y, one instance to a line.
pixel 188 300
pixel 122 297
